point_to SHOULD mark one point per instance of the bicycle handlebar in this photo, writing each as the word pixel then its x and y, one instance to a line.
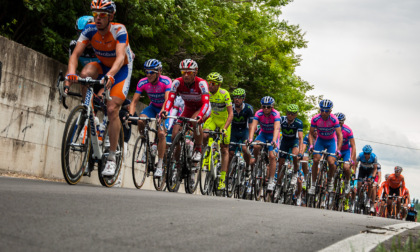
pixel 186 119
pixel 324 152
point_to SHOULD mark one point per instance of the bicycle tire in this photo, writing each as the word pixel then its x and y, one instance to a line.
pixel 232 176
pixel 206 163
pixel 191 180
pixel 139 166
pixel 174 166
pixel 160 182
pixel 109 181
pixel 217 159
pixel 258 174
pixel 72 130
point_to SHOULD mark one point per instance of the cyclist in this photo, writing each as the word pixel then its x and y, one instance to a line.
pixel 269 120
pixel 292 140
pixel 348 150
pixel 110 42
pixel 393 187
pixel 367 169
pixel 195 93
pixel 411 214
pixel 405 201
pixel 88 54
pixel 157 87
pixel 243 114
pixel 306 153
pixel 220 117
pixel 381 195
pixel 328 127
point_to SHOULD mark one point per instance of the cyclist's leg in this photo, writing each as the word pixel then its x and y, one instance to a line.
pixel 209 125
pixel 319 146
pixel 244 136
pixel 93 70
pixel 198 143
pixel 272 154
pixel 346 167
pixel 225 148
pixel 331 148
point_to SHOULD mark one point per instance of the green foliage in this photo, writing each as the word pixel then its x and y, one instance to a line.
pixel 246 41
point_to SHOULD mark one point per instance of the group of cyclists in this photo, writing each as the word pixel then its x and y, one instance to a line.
pixel 103 49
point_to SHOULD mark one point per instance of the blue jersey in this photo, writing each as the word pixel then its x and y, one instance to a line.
pixel 367 163
pixel 242 119
pixel 289 131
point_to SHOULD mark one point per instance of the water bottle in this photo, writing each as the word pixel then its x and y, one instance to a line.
pixel 154 150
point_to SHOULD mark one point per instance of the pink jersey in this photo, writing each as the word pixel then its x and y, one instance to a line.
pixel 326 128
pixel 267 122
pixel 347 135
pixel 156 92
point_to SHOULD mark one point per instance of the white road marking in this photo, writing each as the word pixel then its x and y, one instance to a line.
pixel 368 240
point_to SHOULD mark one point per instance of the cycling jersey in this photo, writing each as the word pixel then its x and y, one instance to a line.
pixel 382 189
pixel 156 92
pixel 219 102
pixel 396 182
pixel 195 97
pixel 367 163
pixel 411 215
pixel 242 119
pixel 105 46
pixel 290 131
pixel 326 128
pixel 267 122
pixel 87 56
pixel 347 135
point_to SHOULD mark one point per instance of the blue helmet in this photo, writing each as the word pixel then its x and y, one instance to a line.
pixel 340 116
pixel 267 100
pixel 153 64
pixel 81 22
pixel 326 104
pixel 412 205
pixel 367 149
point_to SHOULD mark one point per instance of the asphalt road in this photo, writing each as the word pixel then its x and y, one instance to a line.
pixel 50 216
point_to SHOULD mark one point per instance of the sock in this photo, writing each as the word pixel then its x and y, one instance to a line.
pixel 270 180
pixel 111 156
pixel 160 161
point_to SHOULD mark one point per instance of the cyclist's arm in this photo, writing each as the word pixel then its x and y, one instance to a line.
pixel 169 102
pixel 74 58
pixel 310 136
pixel 276 130
pixel 353 149
pixel 166 98
pixel 133 104
pixel 230 116
pixel 206 104
pixel 375 168
pixel 339 138
pixel 379 177
pixel 252 129
pixel 301 148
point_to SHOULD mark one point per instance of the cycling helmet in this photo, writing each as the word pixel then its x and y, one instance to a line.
pixel 188 64
pixel 412 205
pixel 293 108
pixel 326 104
pixel 239 92
pixel 153 64
pixel 367 149
pixel 103 5
pixel 387 176
pixel 340 116
pixel 82 21
pixel 398 169
pixel 216 77
pixel 267 100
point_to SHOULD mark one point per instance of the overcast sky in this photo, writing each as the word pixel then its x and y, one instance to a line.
pixel 364 55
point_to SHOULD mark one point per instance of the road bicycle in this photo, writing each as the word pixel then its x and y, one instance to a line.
pixel 81 147
pixel 211 163
pixel 180 165
pixel 337 196
pixel 259 172
pixel 236 173
pixel 284 190
pixel 145 155
pixel 319 199
pixel 362 198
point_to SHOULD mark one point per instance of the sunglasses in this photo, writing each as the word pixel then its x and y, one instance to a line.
pixel 151 72
pixel 325 110
pixel 238 97
pixel 291 113
pixel 187 72
pixel 266 106
pixel 213 83
pixel 100 14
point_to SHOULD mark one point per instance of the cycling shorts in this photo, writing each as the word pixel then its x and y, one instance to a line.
pixel 287 145
pixel 212 124
pixel 393 191
pixel 151 111
pixel 238 136
pixel 122 78
pixel 267 138
pixel 322 144
pixel 345 155
pixel 189 112
pixel 364 173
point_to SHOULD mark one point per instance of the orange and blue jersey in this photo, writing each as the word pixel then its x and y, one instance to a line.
pixel 105 46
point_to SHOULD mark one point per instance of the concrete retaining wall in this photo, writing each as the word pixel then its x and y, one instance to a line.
pixel 32 119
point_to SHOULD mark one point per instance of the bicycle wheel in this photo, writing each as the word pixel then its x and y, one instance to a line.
pixel 258 179
pixel 109 181
pixel 174 165
pixel 140 162
pixel 160 182
pixel 217 159
pixel 205 175
pixel 191 181
pixel 75 145
pixel 232 176
pixel 240 188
